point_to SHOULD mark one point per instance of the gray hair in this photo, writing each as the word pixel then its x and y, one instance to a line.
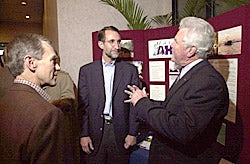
pixel 199 34
pixel 22 45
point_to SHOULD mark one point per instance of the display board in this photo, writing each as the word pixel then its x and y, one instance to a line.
pixel 151 47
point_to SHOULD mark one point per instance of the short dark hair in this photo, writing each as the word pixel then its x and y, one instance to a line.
pixel 101 33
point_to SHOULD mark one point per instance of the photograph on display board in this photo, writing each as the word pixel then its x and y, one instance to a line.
pixel 229 70
pixel 215 48
pixel 160 48
pixel 221 138
pixel 173 72
pixel 173 69
pixel 127 49
pixel 139 65
pixel 229 41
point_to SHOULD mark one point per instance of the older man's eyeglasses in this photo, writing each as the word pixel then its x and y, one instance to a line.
pixel 112 42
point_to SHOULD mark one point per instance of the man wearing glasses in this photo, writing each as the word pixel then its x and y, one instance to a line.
pixel 108 128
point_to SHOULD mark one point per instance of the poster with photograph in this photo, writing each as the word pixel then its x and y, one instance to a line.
pixel 229 41
pixel 138 64
pixel 127 49
pixel 173 70
pixel 221 138
pixel 160 48
pixel 229 70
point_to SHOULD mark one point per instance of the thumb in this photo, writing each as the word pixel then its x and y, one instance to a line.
pixel 144 90
pixel 126 146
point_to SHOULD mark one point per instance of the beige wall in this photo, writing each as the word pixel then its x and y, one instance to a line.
pixel 77 19
pixel 70 23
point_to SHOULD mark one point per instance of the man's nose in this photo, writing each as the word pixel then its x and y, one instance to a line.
pixel 117 45
pixel 58 67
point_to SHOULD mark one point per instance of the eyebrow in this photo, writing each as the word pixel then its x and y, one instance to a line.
pixel 175 40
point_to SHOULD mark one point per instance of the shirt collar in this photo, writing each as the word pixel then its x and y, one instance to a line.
pixel 185 69
pixel 106 64
pixel 38 89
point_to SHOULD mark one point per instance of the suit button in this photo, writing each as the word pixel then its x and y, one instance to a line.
pixel 100 129
pixel 101 116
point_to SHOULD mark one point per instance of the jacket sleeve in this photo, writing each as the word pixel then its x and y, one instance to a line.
pixel 189 111
pixel 83 104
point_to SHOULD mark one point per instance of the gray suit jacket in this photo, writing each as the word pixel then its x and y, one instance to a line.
pixel 187 123
pixel 92 101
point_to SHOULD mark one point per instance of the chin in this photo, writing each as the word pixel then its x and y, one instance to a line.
pixel 52 83
pixel 115 56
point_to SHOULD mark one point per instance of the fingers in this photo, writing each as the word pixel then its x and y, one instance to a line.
pixel 91 146
pixel 87 145
pixel 133 88
pixel 128 92
pixel 127 101
pixel 126 146
pixel 134 94
pixel 129 141
pixel 85 148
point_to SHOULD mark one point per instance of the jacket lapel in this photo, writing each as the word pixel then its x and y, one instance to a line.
pixel 118 76
pixel 100 79
pixel 176 87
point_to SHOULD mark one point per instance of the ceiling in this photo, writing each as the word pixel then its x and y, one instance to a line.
pixel 14 11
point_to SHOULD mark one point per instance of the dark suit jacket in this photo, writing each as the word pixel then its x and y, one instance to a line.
pixel 6 80
pixel 92 102
pixel 31 129
pixel 187 123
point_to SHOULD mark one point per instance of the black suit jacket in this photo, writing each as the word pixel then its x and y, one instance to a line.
pixel 92 102
pixel 187 123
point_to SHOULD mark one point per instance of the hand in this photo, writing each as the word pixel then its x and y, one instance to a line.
pixel 135 94
pixel 129 141
pixel 86 144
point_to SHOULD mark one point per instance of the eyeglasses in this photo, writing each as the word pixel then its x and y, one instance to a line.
pixel 112 42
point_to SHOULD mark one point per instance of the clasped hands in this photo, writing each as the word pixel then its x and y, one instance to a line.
pixel 135 94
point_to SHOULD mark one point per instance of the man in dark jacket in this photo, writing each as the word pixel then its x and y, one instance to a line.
pixel 187 123
pixel 108 127
pixel 31 129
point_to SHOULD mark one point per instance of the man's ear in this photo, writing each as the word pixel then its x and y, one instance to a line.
pixel 191 51
pixel 100 44
pixel 30 62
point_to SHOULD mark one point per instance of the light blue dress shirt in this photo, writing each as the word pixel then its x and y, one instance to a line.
pixel 185 69
pixel 108 73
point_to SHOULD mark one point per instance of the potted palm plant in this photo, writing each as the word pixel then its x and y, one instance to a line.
pixel 138 20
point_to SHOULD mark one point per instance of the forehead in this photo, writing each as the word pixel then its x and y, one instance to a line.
pixel 109 34
pixel 181 33
pixel 48 50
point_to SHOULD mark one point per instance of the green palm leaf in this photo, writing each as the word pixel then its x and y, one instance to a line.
pixel 132 12
pixel 163 20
